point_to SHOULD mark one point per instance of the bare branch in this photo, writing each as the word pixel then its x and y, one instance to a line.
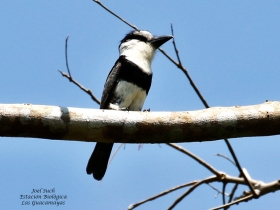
pixel 249 197
pixel 185 71
pixel 176 50
pixel 218 191
pixel 232 193
pixel 261 187
pixel 230 160
pixel 200 161
pixel 245 174
pixel 133 206
pixel 224 192
pixel 180 66
pixel 52 122
pixel 66 58
pixel 249 184
pixel 207 180
pixel 88 91
pixel 108 10
pixel 112 157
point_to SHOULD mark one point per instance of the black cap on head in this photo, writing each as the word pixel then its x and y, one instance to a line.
pixel 146 36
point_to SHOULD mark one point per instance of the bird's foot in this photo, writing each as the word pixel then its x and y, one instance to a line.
pixel 147 110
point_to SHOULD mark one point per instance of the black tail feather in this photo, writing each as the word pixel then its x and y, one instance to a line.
pixel 98 160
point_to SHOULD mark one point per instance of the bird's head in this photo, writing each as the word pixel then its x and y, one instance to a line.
pixel 141 45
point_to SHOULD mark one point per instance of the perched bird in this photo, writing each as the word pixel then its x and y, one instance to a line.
pixel 126 87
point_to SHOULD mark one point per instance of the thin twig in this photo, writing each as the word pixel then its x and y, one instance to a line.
pixel 178 200
pixel 174 44
pixel 230 160
pixel 66 58
pixel 243 199
pixel 132 26
pixel 168 57
pixel 240 169
pixel 233 191
pixel 224 190
pixel 202 162
pixel 112 157
pixel 133 206
pixel 218 191
pixel 185 71
pixel 232 194
pixel 88 91
pixel 180 66
pixel 188 76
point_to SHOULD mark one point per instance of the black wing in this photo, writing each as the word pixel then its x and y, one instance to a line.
pixel 128 71
pixel 110 84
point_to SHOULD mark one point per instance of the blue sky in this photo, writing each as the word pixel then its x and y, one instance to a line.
pixel 231 49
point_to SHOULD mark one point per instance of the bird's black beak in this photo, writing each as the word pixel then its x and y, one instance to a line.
pixel 157 41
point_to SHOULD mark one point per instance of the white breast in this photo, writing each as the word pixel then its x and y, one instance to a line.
pixel 133 96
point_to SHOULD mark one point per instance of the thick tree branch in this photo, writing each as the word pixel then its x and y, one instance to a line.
pixel 53 122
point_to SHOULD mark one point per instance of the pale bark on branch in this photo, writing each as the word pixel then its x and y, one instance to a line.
pixel 65 123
